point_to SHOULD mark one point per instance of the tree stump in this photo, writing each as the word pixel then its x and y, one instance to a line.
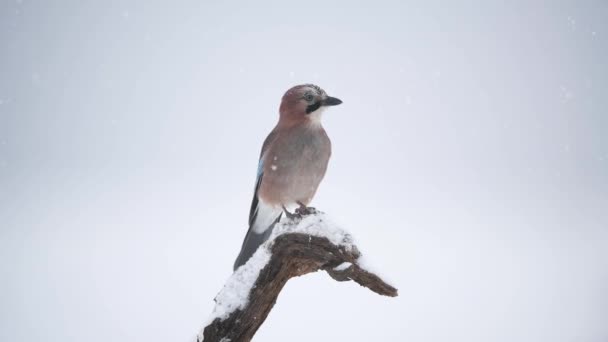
pixel 297 247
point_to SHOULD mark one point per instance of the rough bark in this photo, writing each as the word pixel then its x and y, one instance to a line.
pixel 293 255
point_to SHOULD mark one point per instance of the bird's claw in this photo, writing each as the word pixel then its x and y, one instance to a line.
pixel 301 211
pixel 291 216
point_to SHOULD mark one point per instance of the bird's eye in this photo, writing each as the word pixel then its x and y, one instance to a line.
pixel 308 97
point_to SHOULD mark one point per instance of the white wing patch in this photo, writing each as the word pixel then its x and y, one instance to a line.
pixel 266 215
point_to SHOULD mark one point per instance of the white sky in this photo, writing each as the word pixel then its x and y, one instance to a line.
pixel 470 162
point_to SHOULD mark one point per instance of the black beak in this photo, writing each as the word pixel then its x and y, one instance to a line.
pixel 331 101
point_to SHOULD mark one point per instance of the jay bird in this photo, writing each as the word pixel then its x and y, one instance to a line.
pixel 292 163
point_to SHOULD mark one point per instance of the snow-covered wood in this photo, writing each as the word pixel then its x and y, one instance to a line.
pixel 296 247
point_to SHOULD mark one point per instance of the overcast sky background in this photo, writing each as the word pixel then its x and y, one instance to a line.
pixel 470 162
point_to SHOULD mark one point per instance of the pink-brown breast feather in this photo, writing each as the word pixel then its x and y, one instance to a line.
pixel 294 165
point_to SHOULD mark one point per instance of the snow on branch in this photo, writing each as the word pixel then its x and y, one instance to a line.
pixel 296 247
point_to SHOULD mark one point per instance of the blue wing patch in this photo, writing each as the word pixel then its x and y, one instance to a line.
pixel 260 168
pixel 254 203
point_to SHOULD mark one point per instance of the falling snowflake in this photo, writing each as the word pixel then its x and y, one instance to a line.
pixel 572 23
pixel 567 94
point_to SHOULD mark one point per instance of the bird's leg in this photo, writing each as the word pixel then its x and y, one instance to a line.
pixel 304 210
pixel 290 215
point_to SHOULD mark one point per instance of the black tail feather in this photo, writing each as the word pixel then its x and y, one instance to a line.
pixel 251 243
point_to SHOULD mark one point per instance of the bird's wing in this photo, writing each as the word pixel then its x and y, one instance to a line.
pixel 255 202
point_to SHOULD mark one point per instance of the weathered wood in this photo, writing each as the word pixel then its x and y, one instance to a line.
pixel 293 255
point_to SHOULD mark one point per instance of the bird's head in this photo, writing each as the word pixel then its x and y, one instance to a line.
pixel 306 101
